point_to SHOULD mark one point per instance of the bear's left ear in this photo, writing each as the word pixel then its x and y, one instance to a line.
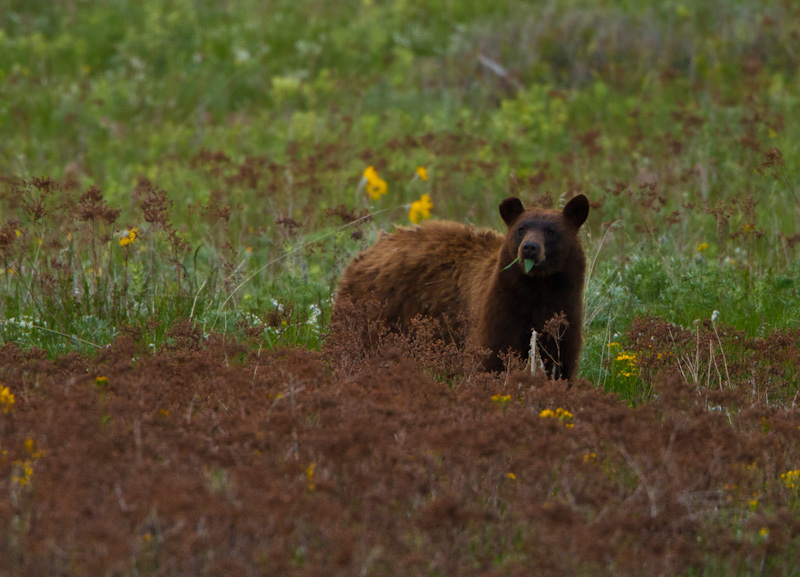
pixel 576 211
pixel 510 209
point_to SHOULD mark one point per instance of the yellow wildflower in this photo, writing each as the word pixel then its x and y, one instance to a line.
pixel 563 414
pixel 511 475
pixel 23 472
pixel 376 189
pixel 101 382
pixel 6 399
pixel 764 532
pixel 631 359
pixel 30 448
pixel 501 398
pixel 422 173
pixel 420 209
pixel 128 237
pixel 702 246
pixel 589 457
pixel 310 476
pixel 371 174
pixel 791 478
pixel 376 186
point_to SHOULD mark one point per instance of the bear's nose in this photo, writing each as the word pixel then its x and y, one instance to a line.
pixel 530 249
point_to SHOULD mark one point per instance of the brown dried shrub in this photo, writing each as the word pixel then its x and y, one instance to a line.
pixel 209 458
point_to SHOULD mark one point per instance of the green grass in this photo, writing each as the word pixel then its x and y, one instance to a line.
pixel 248 116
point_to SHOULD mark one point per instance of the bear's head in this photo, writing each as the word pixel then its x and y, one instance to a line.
pixel 542 240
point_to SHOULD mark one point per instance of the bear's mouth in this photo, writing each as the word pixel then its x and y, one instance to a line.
pixel 534 267
pixel 527 265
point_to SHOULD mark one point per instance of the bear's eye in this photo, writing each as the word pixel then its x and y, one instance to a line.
pixel 550 232
pixel 521 231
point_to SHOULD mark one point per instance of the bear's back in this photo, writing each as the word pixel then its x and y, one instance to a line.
pixel 424 269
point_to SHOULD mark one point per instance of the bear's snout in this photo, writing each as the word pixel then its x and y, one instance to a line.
pixel 530 250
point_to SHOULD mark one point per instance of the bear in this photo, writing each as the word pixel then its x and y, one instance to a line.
pixel 508 285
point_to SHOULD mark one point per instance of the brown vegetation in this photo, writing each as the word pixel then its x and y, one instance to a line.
pixel 207 458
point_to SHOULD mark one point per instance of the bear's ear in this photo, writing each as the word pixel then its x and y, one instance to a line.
pixel 510 209
pixel 576 211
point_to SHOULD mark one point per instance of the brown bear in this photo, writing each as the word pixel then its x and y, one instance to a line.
pixel 508 285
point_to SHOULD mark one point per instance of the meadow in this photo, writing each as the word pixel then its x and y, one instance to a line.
pixel 182 183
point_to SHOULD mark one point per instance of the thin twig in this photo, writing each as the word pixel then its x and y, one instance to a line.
pixel 197 294
pixel 65 335
pixel 724 359
pixel 498 70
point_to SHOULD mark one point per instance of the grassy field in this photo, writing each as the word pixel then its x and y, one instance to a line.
pixel 180 180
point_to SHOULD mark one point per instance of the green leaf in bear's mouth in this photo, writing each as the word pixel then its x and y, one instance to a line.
pixel 529 264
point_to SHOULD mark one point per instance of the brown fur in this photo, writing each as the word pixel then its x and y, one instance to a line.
pixel 446 270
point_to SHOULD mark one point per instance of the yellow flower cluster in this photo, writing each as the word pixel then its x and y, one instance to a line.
pixel 101 382
pixel 422 173
pixel 6 400
pixel 630 358
pixel 30 448
pixel 129 237
pixel 23 468
pixel 376 186
pixel 420 209
pixel 23 472
pixel 501 399
pixel 562 415
pixel 791 479
pixel 702 246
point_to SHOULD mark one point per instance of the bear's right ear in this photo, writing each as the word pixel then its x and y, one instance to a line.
pixel 510 209
pixel 577 210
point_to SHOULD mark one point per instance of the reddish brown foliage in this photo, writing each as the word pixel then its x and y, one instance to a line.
pixel 209 459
